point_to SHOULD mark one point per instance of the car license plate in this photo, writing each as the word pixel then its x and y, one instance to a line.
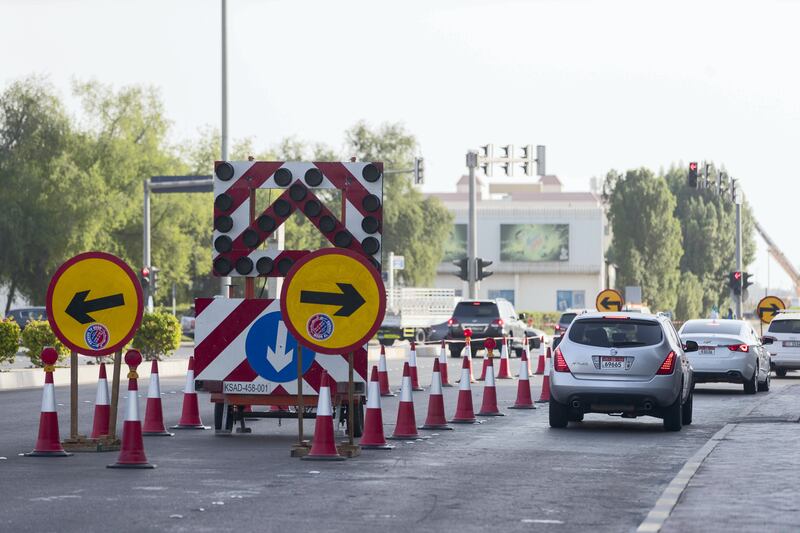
pixel 610 362
pixel 791 344
pixel 706 350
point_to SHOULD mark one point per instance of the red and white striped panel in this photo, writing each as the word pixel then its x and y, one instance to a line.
pixel 237 242
pixel 221 329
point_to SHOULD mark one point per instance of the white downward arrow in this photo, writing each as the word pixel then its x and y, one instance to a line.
pixel 280 357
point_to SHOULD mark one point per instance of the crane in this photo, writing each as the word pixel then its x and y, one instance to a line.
pixel 780 257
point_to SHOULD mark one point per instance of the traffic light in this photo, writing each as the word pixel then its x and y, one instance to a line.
pixel 527 155
pixel 693 174
pixel 487 154
pixel 419 171
pixel 462 265
pixel 540 167
pixel 735 282
pixel 144 278
pixel 481 264
pixel 154 278
pixel 746 280
pixel 508 154
pixel 733 190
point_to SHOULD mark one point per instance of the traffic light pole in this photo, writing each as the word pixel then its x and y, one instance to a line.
pixel 472 228
pixel 738 297
pixel 146 242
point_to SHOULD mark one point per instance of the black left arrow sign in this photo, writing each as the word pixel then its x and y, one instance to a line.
pixel 349 299
pixel 79 307
pixel 608 303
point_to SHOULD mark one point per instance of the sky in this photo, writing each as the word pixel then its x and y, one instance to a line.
pixel 603 84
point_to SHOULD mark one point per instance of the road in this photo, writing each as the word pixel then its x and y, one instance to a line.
pixel 510 473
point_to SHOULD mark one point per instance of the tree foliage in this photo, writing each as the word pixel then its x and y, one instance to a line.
pixel 690 297
pixel 158 336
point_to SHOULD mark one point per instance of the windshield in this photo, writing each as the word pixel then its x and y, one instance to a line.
pixel 617 333
pixel 567 318
pixel 476 310
pixel 784 326
pixel 725 327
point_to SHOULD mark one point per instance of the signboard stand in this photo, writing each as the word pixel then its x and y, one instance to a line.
pixel 302 447
pixel 350 449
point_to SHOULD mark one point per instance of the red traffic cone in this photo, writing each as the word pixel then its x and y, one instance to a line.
pixel 190 413
pixel 467 352
pixel 323 445
pixel 373 438
pixel 443 366
pixel 48 443
pixel 524 400
pixel 485 364
pixel 154 414
pixel 464 411
pixel 435 418
pixel 489 403
pixel 131 455
pixel 383 374
pixel 102 409
pixel 406 426
pixel 502 373
pixel 545 396
pixel 412 363
pixel 540 365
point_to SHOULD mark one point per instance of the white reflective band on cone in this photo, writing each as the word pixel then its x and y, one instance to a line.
pixel 542 347
pixel 48 399
pixel 133 406
pixel 436 384
pixel 405 393
pixel 154 390
pixel 412 358
pixel 324 407
pixel 443 355
pixel 189 382
pixel 546 365
pixel 102 392
pixel 489 382
pixel 374 395
pixel 464 383
pixel 523 370
pixel 382 363
pixel 504 352
pixel 468 348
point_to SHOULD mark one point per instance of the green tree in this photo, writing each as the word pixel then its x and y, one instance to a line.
pixel 690 297
pixel 646 245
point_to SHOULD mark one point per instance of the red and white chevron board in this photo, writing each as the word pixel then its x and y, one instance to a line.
pixel 236 240
pixel 221 329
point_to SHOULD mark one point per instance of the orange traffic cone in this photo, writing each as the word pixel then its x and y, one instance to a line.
pixel 502 373
pixel 545 396
pixel 524 400
pixel 412 363
pixel 48 443
pixel 131 455
pixel 373 438
pixel 406 426
pixel 323 445
pixel 154 414
pixel 489 403
pixel 102 409
pixel 383 374
pixel 435 418
pixel 464 411
pixel 540 365
pixel 443 366
pixel 190 413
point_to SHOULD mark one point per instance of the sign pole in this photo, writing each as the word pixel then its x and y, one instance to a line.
pixel 73 395
pixel 112 424
pixel 350 407
pixel 300 406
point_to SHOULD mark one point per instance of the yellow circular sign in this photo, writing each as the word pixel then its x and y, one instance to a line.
pixel 769 307
pixel 94 303
pixel 609 300
pixel 333 300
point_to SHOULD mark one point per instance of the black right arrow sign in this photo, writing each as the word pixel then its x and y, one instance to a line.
pixel 349 299
pixel 773 310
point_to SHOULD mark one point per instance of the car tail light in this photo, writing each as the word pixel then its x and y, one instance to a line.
pixel 452 322
pixel 739 348
pixel 560 364
pixel 668 365
pixel 617 317
pixel 497 322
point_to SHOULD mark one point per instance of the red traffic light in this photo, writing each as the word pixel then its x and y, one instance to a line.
pixel 693 166
pixel 737 276
pixel 145 272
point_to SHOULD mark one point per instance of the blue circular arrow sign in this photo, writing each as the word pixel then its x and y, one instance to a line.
pixel 272 351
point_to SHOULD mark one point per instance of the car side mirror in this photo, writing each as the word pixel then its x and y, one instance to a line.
pixel 522 316
pixel 690 346
pixel 767 340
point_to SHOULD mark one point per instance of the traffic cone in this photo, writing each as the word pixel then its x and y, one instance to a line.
pixel 489 403
pixel 131 455
pixel 467 351
pixel 102 409
pixel 383 374
pixel 190 413
pixel 526 349
pixel 406 426
pixel 464 412
pixel 48 443
pixel 443 366
pixel 435 418
pixel 154 414
pixel 545 396
pixel 323 445
pixel 523 387
pixel 485 364
pixel 373 438
pixel 540 365
pixel 412 363
pixel 503 372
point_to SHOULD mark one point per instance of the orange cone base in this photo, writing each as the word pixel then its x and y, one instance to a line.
pixel 190 413
pixel 47 441
pixel 503 372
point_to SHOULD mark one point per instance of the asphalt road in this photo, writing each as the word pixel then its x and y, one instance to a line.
pixel 511 473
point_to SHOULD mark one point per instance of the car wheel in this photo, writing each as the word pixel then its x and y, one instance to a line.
pixel 519 352
pixel 673 416
pixel 764 387
pixel 455 350
pixel 576 417
pixel 780 372
pixel 420 337
pixel 386 342
pixel 751 385
pixel 686 414
pixel 559 414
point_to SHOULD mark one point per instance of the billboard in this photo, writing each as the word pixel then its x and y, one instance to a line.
pixel 456 246
pixel 533 243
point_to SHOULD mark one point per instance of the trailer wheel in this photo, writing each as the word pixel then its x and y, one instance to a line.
pixel 386 342
pixel 358 419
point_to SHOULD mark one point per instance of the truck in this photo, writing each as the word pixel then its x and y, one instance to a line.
pixel 417 314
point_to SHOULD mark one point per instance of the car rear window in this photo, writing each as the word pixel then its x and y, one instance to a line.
pixel 784 326
pixel 476 310
pixel 724 327
pixel 567 318
pixel 609 332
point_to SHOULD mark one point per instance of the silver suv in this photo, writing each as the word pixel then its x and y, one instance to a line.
pixel 626 364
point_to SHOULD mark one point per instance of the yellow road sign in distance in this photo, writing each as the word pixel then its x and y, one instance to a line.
pixel 769 307
pixel 333 300
pixel 94 303
pixel 609 300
